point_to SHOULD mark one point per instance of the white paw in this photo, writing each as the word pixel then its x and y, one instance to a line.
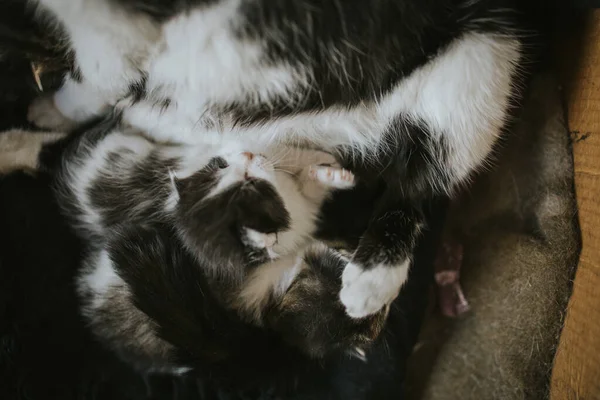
pixel 44 113
pixel 260 240
pixel 333 177
pixel 366 291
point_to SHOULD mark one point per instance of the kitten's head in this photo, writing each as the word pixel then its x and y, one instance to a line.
pixel 230 211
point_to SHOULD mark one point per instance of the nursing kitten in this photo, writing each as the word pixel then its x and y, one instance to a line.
pixel 42 318
pixel 248 220
pixel 415 92
pixel 168 262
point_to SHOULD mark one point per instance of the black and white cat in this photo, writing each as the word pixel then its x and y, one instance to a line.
pixel 246 217
pixel 414 91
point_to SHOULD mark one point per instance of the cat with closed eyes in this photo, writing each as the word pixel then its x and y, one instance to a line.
pixel 413 92
pixel 49 352
pixel 250 221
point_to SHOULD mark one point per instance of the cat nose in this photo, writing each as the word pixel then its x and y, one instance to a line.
pixel 248 155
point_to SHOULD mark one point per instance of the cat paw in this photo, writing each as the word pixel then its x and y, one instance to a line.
pixel 259 240
pixel 20 149
pixel 44 113
pixel 338 178
pixel 366 291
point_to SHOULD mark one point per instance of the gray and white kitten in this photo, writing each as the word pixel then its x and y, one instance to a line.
pixel 247 217
pixel 415 92
pixel 183 241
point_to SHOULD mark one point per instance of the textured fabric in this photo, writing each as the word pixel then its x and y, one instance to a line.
pixel 518 225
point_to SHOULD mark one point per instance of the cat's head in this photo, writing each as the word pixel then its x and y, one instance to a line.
pixel 230 211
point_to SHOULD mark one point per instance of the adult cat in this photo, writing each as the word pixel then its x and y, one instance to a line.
pixel 416 91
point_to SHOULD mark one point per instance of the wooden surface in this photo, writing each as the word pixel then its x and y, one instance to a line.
pixel 576 373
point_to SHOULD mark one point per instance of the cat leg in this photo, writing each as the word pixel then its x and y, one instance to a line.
pixel 317 181
pixel 446 117
pixel 19 149
pixel 380 265
pixel 73 103
pixel 418 164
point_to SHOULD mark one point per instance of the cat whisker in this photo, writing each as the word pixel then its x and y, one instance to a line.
pixel 284 171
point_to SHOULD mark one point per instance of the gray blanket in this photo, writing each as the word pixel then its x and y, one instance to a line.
pixel 518 224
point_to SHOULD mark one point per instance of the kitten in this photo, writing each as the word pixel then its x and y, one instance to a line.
pixel 214 229
pixel 415 92
pixel 161 314
pixel 246 217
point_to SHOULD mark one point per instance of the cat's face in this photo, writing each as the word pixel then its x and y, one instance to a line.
pixel 230 211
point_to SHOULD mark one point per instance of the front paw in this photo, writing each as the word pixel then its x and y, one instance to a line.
pixel 365 291
pixel 44 113
pixel 260 240
pixel 332 176
pixel 20 150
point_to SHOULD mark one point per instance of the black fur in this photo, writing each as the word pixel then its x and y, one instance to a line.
pixel 216 223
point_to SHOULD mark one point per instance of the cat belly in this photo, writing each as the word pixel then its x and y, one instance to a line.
pixel 461 97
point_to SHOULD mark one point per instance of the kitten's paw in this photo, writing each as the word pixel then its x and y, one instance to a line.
pixel 20 150
pixel 366 291
pixel 259 240
pixel 333 177
pixel 44 113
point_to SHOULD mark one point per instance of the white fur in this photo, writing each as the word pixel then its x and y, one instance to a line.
pixel 99 32
pixel 240 167
pixel 98 279
pixel 273 278
pixel 78 101
pixel 366 291
pixel 82 171
pixel 260 240
pixel 215 67
pixel 462 95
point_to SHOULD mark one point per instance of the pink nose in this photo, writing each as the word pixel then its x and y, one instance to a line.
pixel 248 155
